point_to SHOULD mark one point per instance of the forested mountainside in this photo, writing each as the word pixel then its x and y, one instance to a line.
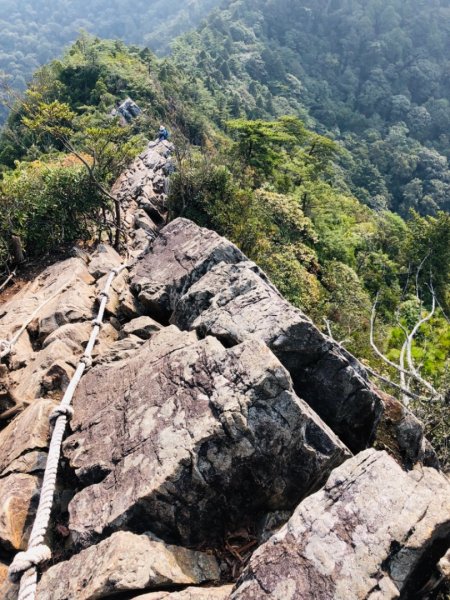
pixel 36 31
pixel 373 74
pixel 271 186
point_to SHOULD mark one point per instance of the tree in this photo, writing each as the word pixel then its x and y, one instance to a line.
pixel 99 149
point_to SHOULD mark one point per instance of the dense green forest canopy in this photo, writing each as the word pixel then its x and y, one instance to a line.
pixel 371 73
pixel 33 32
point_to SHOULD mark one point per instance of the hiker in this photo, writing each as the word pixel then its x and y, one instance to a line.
pixel 163 134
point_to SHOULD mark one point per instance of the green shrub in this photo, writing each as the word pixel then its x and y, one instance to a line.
pixel 46 204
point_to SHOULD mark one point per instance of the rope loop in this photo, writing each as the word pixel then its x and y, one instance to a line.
pixel 23 561
pixel 104 295
pixel 5 348
pixel 87 360
pixel 59 411
pixel 97 322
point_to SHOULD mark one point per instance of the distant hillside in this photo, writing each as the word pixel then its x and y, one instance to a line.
pixel 36 31
pixel 372 74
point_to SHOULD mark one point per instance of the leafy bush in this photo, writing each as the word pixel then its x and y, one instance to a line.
pixel 46 204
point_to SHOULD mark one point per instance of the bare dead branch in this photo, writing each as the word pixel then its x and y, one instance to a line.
pixel 406 349
pixel 405 391
pixel 409 343
pixel 373 344
pixel 419 268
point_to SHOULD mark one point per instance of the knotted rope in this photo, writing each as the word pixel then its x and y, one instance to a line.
pixel 24 565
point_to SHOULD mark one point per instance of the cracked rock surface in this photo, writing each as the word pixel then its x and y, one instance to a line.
pixel 188 438
pixel 198 280
pixel 361 537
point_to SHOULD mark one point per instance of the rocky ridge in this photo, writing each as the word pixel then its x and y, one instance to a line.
pixel 214 413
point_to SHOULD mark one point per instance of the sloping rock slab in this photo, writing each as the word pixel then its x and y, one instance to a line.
pixel 74 301
pixel 191 593
pixel 189 439
pixel 29 431
pixel 19 495
pixel 365 536
pixel 125 562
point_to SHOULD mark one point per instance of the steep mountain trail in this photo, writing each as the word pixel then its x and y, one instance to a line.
pixel 220 447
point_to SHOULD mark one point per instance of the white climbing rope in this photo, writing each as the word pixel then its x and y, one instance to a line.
pixel 24 566
pixel 6 346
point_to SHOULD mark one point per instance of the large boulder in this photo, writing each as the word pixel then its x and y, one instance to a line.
pixel 126 562
pixel 198 280
pixel 373 532
pixel 190 439
pixel 232 302
pixel 180 255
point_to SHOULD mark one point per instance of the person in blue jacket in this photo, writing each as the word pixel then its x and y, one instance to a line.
pixel 163 134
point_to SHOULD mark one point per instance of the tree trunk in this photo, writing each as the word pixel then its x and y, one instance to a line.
pixel 17 251
pixel 118 225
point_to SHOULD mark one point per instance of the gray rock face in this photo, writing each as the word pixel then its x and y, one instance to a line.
pixel 362 537
pixel 181 254
pixel 187 438
pixel 198 280
pixel 125 562
pixel 233 303
pixel 143 221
